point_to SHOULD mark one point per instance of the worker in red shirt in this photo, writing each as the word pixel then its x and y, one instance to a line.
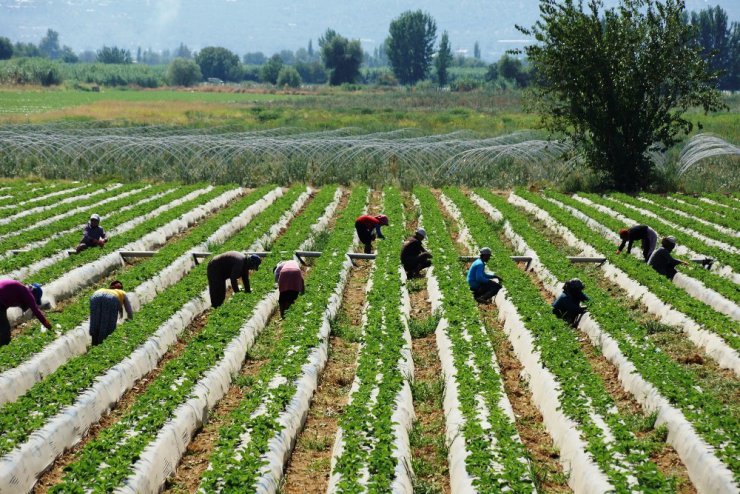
pixel 368 227
pixel 16 294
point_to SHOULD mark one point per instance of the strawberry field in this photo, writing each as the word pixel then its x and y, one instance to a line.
pixel 371 382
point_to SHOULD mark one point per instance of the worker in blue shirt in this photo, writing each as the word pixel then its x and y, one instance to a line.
pixel 568 305
pixel 481 283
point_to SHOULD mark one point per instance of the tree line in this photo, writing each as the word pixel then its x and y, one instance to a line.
pixel 411 53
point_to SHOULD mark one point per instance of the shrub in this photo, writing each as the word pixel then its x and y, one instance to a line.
pixel 289 76
pixel 182 72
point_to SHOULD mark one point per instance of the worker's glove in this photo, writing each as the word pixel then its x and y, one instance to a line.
pixel 618 252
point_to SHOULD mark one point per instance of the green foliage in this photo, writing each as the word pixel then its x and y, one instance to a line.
pixel 49 45
pixel 289 76
pixel 411 45
pixel 215 61
pixel 311 72
pixel 114 55
pixel 617 82
pixel 720 44
pixel 6 48
pixel 31 71
pixel 341 57
pixel 182 72
pixel 444 59
pixel 112 75
pixel 512 69
pixel 271 70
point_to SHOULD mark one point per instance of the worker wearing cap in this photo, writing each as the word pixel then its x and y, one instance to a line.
pixel 646 235
pixel 481 282
pixel 16 294
pixel 414 256
pixel 229 266
pixel 289 277
pixel 368 227
pixel 662 261
pixel 568 304
pixel 106 305
pixel 93 235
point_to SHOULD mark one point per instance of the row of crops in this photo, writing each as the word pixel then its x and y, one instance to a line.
pixel 641 397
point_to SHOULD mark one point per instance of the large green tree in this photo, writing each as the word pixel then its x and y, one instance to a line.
pixel 444 59
pixel 720 44
pixel 618 81
pixel 411 45
pixel 218 62
pixel 341 57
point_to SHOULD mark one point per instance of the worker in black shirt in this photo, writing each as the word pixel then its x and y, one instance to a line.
pixel 414 256
pixel 644 234
pixel 662 261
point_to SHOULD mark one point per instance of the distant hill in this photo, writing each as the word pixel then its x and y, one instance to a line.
pixel 268 26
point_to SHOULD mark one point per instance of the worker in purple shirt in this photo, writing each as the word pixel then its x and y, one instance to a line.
pixel 16 294
pixel 93 235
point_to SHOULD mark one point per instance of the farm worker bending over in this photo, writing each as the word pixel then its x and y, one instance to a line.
pixel 414 256
pixel 367 227
pixel 106 305
pixel 568 305
pixel 481 283
pixel 644 234
pixel 92 235
pixel 662 261
pixel 16 294
pixel 229 266
pixel 289 278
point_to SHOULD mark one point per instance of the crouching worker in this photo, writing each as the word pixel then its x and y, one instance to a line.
pixel 93 235
pixel 16 294
pixel 368 227
pixel 568 305
pixel 414 256
pixel 481 282
pixel 106 305
pixel 229 266
pixel 289 278
pixel 662 261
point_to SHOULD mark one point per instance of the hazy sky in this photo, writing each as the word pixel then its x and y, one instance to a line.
pixel 269 25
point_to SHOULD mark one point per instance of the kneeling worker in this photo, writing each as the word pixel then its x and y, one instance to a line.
pixel 93 235
pixel 568 305
pixel 662 261
pixel 414 256
pixel 289 278
pixel 480 282
pixel 229 266
pixel 106 305
pixel 16 294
